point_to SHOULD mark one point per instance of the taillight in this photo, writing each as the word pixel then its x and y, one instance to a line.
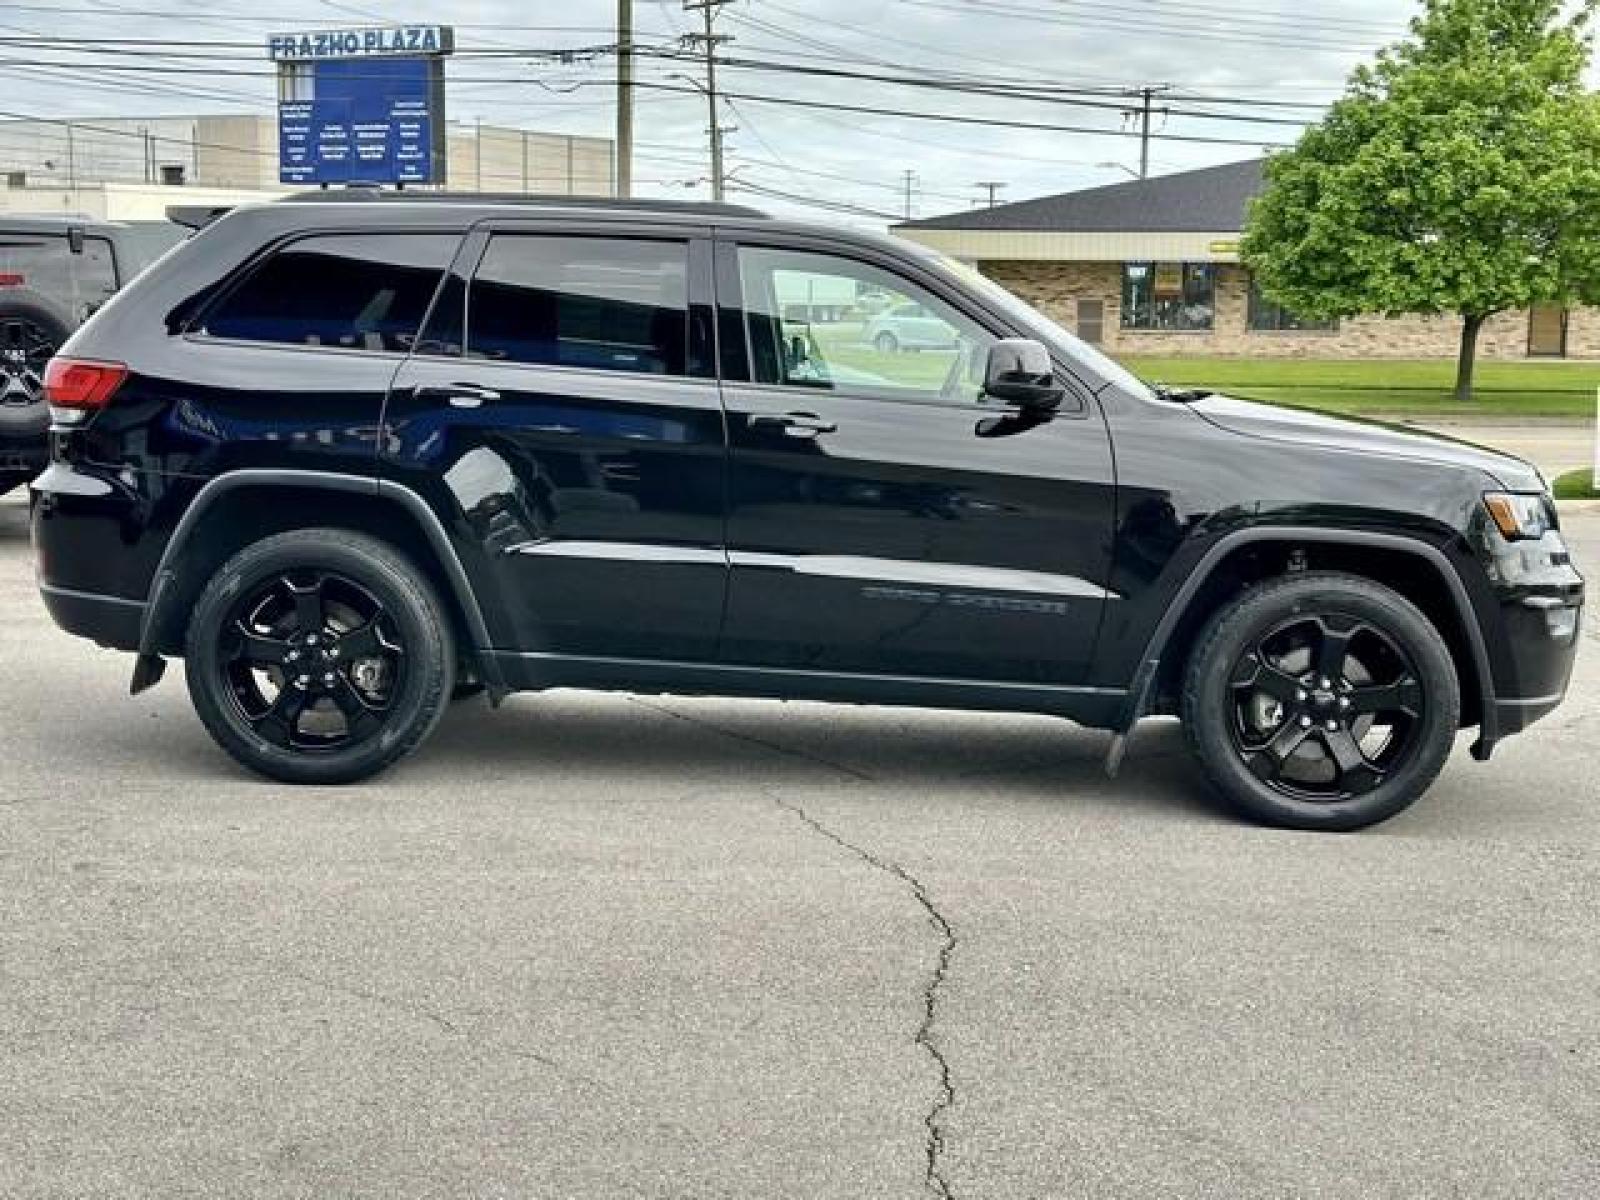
pixel 76 387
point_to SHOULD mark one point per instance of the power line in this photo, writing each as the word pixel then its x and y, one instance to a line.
pixel 961 119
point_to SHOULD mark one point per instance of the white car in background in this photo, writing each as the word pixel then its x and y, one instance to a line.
pixel 909 326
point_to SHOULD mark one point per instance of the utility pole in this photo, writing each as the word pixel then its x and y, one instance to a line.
pixel 910 178
pixel 624 181
pixel 708 9
pixel 991 186
pixel 1144 115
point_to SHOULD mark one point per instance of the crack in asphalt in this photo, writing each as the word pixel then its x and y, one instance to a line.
pixel 933 1121
pixel 934 1179
pixel 415 1010
pixel 751 740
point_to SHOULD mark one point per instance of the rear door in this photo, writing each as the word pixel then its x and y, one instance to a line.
pixel 563 405
pixel 884 517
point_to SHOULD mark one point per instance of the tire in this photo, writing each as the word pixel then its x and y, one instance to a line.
pixel 30 332
pixel 363 628
pixel 886 342
pixel 1321 701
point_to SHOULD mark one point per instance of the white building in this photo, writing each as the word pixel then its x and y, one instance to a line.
pixel 127 167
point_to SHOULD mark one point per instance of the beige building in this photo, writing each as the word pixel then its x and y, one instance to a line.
pixel 240 153
pixel 1152 267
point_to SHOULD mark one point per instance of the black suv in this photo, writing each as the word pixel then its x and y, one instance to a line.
pixel 54 272
pixel 349 457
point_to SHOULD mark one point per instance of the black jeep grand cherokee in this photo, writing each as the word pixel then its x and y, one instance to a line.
pixel 350 457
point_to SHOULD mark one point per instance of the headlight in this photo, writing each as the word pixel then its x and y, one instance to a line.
pixel 1521 516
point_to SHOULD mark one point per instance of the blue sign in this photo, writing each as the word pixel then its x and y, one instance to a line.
pixel 367 120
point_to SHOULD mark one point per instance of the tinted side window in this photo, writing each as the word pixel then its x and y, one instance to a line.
pixel 352 291
pixel 604 303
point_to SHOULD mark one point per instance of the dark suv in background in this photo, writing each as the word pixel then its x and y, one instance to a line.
pixel 349 456
pixel 55 271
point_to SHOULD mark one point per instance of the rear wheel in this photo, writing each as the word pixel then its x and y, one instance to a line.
pixel 29 335
pixel 319 656
pixel 1322 701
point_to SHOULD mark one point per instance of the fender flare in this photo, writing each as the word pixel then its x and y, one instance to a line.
pixel 1150 661
pixel 149 666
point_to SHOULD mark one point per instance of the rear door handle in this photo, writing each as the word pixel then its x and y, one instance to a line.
pixel 459 395
pixel 792 424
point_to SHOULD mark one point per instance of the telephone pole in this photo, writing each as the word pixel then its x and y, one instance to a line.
pixel 992 186
pixel 708 9
pixel 624 180
pixel 910 178
pixel 1144 115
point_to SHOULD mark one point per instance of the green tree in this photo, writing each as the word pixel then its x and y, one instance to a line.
pixel 1460 173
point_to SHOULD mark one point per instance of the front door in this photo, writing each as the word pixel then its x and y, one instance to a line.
pixel 885 518
pixel 1547 332
pixel 1092 320
pixel 563 400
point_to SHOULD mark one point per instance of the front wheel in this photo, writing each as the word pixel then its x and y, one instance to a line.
pixel 886 342
pixel 319 656
pixel 1321 701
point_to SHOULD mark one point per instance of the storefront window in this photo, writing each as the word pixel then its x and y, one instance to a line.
pixel 1169 296
pixel 1271 317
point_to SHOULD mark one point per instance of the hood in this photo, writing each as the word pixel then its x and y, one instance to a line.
pixel 1308 428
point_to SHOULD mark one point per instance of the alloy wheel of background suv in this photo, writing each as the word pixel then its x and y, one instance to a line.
pixel 29 335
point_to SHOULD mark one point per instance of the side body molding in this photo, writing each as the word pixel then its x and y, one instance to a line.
pixel 1149 665
pixel 149 666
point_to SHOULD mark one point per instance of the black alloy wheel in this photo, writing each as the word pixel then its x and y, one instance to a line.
pixel 319 656
pixel 1325 707
pixel 313 661
pixel 1321 701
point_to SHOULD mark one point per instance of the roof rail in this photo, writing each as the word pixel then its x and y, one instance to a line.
pixel 367 193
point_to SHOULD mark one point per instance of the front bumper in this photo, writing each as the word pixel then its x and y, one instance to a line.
pixel 1534 631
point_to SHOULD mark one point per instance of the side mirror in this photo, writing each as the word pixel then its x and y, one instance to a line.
pixel 1019 371
pixel 75 239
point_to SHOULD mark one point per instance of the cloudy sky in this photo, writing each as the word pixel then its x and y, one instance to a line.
pixel 1241 77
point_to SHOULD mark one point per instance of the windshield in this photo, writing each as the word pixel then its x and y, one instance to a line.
pixel 1070 344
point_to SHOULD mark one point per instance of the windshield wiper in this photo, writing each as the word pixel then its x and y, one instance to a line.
pixel 1180 395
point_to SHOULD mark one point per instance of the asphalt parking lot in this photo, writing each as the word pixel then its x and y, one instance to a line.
pixel 600 946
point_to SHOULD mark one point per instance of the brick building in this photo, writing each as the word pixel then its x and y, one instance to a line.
pixel 1152 267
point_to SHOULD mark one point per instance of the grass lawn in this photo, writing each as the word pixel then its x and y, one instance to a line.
pixel 1577 485
pixel 1389 388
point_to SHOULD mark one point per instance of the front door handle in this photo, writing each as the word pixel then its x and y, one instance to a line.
pixel 458 395
pixel 791 424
